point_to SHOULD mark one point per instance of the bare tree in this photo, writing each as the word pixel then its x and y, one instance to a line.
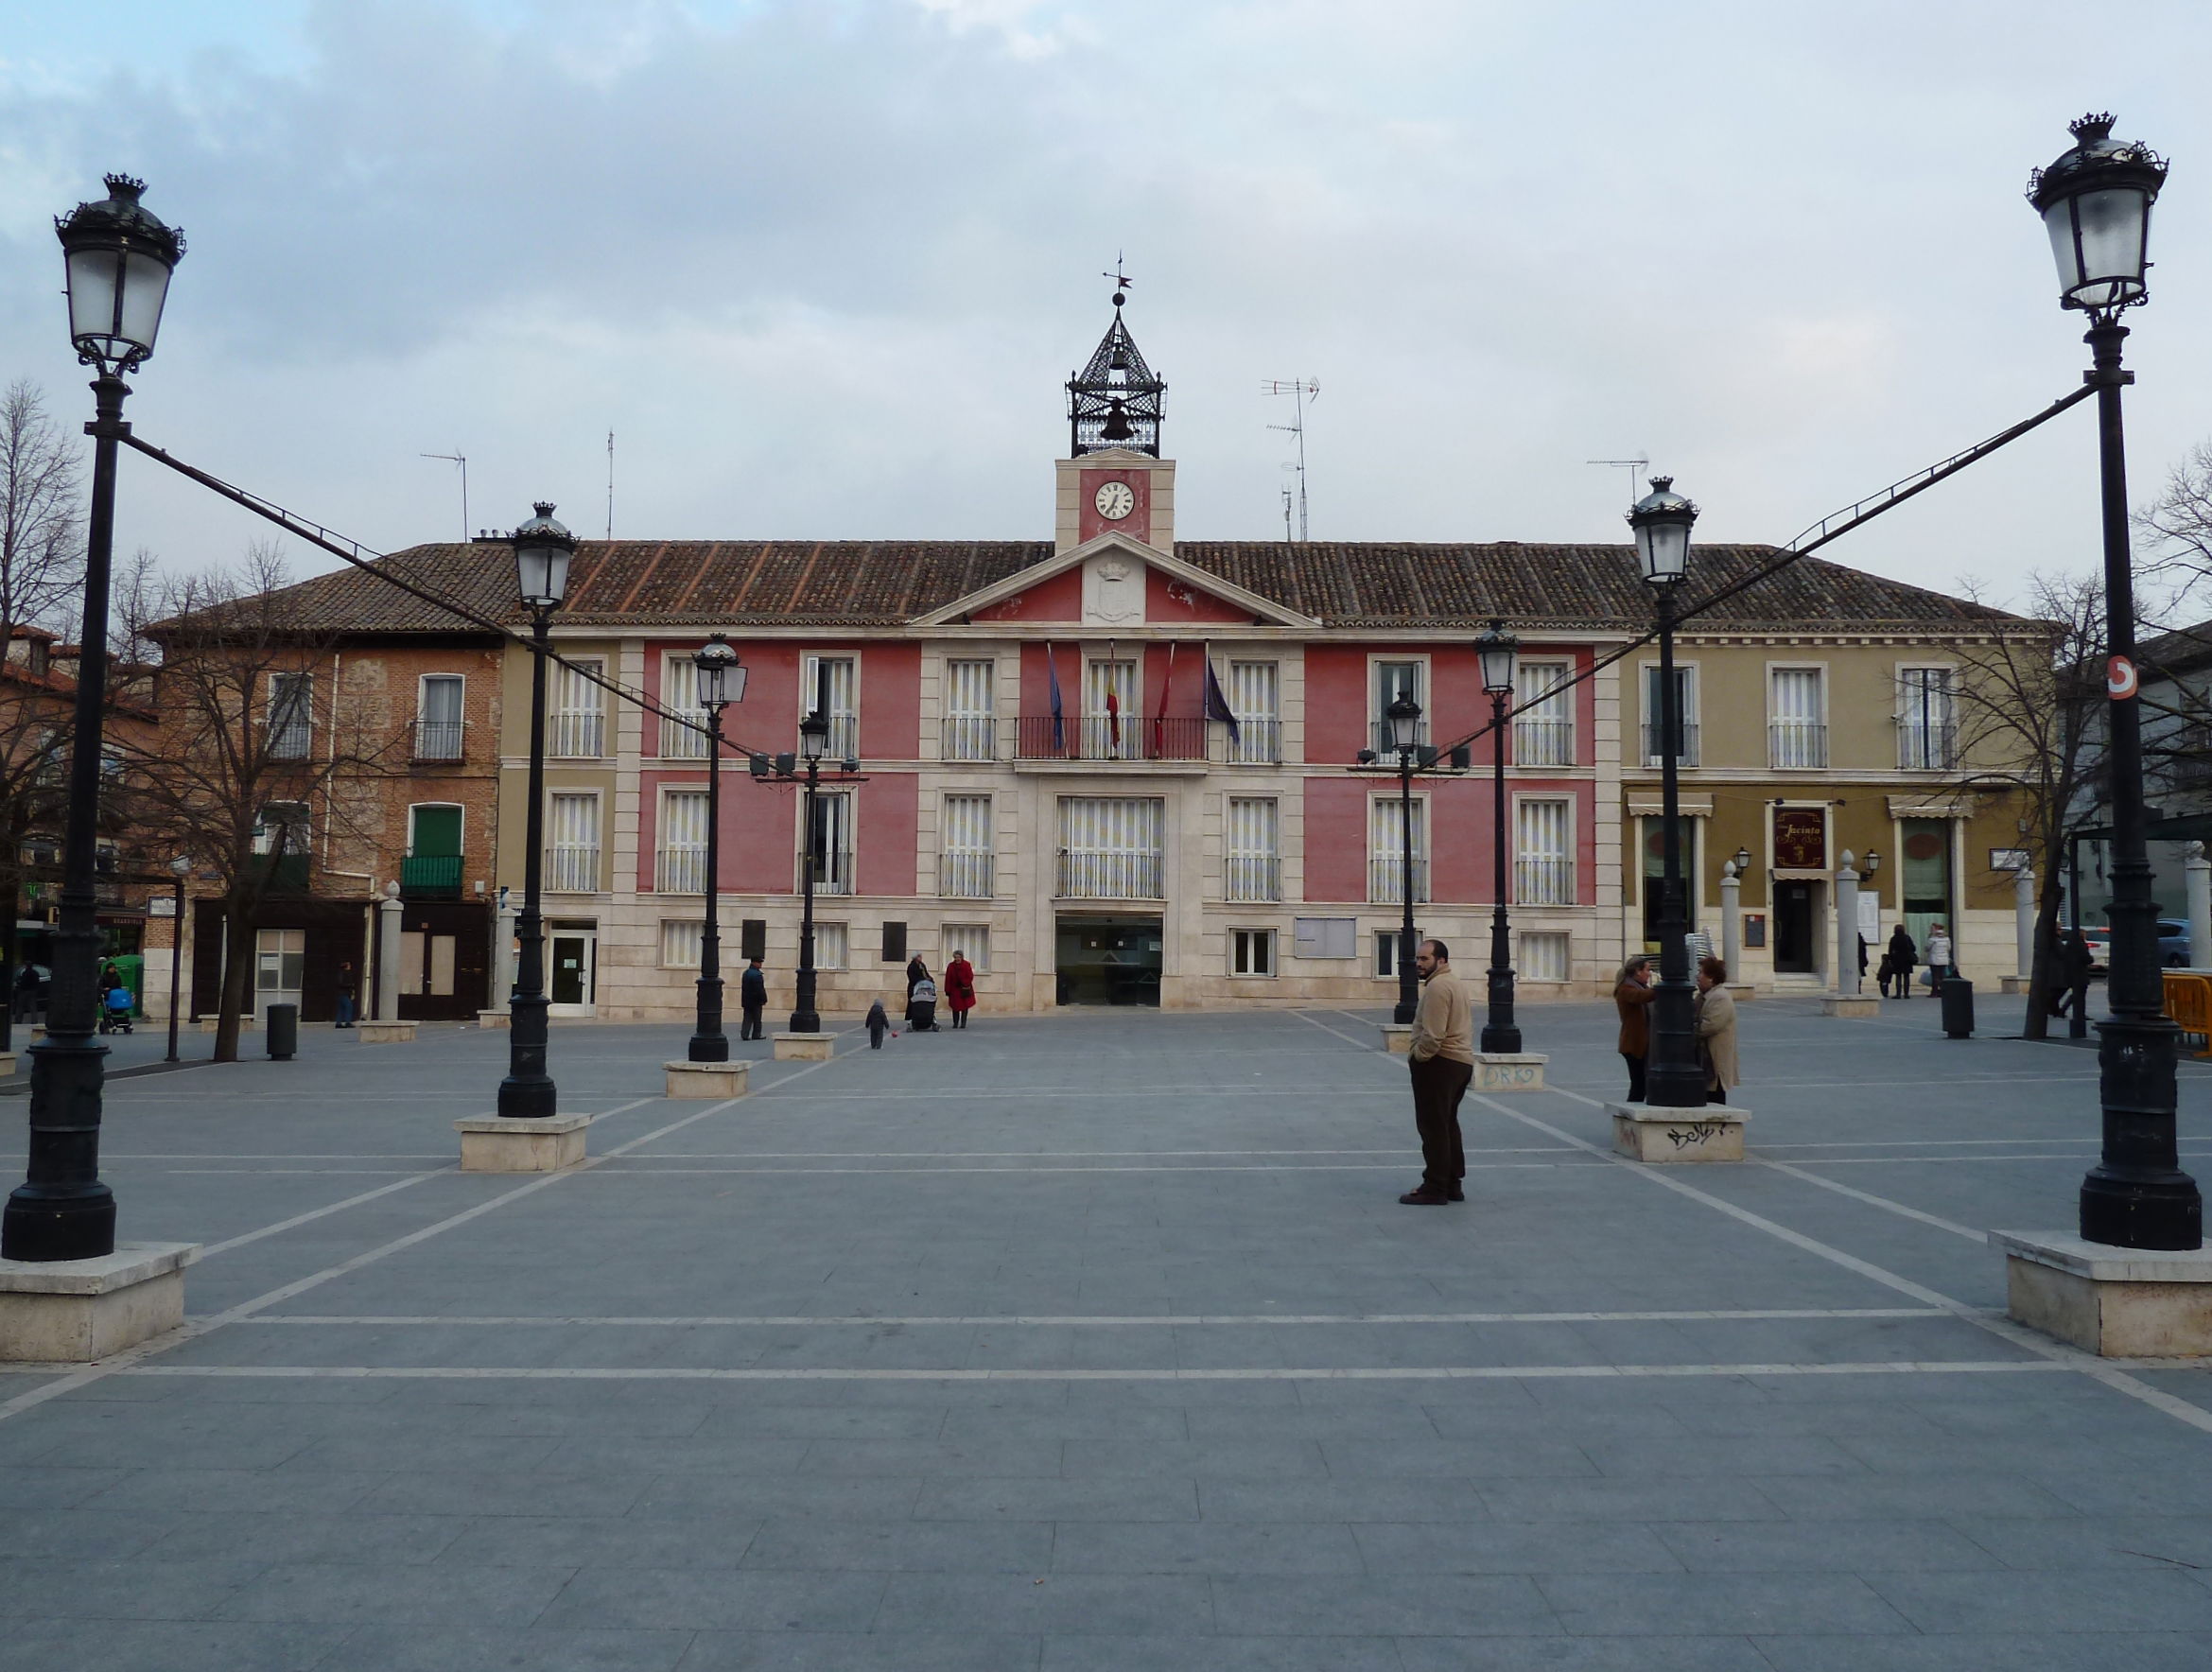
pixel 247 756
pixel 2034 701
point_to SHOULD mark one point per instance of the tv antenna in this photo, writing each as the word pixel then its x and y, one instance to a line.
pixel 457 456
pixel 1635 467
pixel 609 484
pixel 1300 391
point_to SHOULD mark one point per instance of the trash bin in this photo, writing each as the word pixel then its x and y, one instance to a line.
pixel 284 1031
pixel 1958 1007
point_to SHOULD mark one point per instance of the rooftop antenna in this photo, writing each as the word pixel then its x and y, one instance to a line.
pixel 457 456
pixel 1300 391
pixel 1635 467
pixel 609 484
pixel 1287 498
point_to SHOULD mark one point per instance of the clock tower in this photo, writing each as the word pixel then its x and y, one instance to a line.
pixel 1114 480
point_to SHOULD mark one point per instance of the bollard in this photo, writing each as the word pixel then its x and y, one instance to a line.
pixel 1958 1007
pixel 284 1032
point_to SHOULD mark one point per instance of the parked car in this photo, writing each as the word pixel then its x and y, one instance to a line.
pixel 2173 945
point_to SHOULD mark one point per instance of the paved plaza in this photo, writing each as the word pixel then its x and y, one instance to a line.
pixel 1100 1343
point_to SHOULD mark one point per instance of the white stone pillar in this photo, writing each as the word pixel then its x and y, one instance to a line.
pixel 2199 870
pixel 1732 923
pixel 503 952
pixel 387 911
pixel 1847 929
pixel 2024 919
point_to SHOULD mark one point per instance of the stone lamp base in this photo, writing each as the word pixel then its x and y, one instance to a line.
pixel 500 1144
pixel 2114 1302
pixel 75 1311
pixel 1644 1132
pixel 804 1047
pixel 708 1081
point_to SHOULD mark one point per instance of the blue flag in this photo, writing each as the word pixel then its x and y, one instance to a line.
pixel 1218 706
pixel 1052 673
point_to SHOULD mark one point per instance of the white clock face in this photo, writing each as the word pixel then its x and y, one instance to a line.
pixel 1114 500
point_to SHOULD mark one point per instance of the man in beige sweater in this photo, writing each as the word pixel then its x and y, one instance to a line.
pixel 1443 1061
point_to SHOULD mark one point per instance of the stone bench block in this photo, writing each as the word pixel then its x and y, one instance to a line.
pixel 1645 1133
pixel 496 1144
pixel 1397 1038
pixel 2114 1302
pixel 386 1032
pixel 75 1311
pixel 706 1080
pixel 804 1047
pixel 1509 1070
pixel 1858 1006
pixel 493 1018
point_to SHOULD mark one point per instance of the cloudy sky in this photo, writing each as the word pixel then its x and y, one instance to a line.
pixel 823 265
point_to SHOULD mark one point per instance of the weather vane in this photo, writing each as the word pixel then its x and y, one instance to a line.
pixel 1121 280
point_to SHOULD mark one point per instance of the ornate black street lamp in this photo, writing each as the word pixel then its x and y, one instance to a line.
pixel 542 550
pixel 1661 521
pixel 813 739
pixel 2095 202
pixel 1499 651
pixel 1405 717
pixel 179 868
pixel 722 682
pixel 118 258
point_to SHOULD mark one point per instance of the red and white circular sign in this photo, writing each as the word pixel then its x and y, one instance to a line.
pixel 2119 678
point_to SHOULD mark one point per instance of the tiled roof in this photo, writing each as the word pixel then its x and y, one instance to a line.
pixel 1347 583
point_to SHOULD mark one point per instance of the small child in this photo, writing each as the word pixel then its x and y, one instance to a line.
pixel 878 1024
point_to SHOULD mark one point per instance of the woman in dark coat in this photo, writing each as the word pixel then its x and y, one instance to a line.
pixel 915 970
pixel 1898 963
pixel 1632 997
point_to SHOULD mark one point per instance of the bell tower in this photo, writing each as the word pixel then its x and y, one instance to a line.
pixel 1114 479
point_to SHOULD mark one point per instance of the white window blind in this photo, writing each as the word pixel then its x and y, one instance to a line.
pixel 970 940
pixel 1386 852
pixel 682 861
pixel 1117 736
pixel 1254 871
pixel 576 727
pixel 830 946
pixel 965 847
pixel 438 724
pixel 679 695
pixel 832 845
pixel 1544 726
pixel 1926 722
pixel 839 677
pixel 971 708
pixel 1797 735
pixel 1255 699
pixel 680 943
pixel 1542 957
pixel 1543 860
pixel 1110 847
pixel 573 842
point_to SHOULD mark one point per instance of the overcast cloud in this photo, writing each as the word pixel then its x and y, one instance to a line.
pixel 822 266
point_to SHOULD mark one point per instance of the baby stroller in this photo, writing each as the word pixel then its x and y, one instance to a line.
pixel 921 1007
pixel 116 1010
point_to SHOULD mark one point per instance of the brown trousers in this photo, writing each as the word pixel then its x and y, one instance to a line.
pixel 1438 1084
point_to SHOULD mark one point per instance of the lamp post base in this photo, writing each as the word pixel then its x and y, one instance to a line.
pixel 1509 1070
pixel 2114 1302
pixel 708 1047
pixel 508 1143
pixel 804 1045
pixel 75 1311
pixel 708 1081
pixel 1644 1132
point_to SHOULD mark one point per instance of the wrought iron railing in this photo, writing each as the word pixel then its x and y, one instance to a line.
pixel 430 877
pixel 437 740
pixel 576 734
pixel 680 870
pixel 1387 880
pixel 1927 748
pixel 1095 737
pixel 832 873
pixel 1108 873
pixel 572 867
pixel 290 739
pixel 1253 877
pixel 844 742
pixel 1544 742
pixel 1382 736
pixel 1655 750
pixel 1258 742
pixel 1546 882
pixel 1796 743
pixel 968 737
pixel 966 876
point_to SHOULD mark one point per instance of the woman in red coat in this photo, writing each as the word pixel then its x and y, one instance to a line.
pixel 960 988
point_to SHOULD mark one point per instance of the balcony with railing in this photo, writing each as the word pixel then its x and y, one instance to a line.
pixel 1387 880
pixel 833 874
pixel 1253 877
pixel 430 877
pixel 576 734
pixel 1108 873
pixel 1539 741
pixel 1796 745
pixel 1927 748
pixel 1383 739
pixel 572 867
pixel 1258 742
pixel 1655 750
pixel 965 875
pixel 1095 737
pixel 436 740
pixel 290 739
pixel 844 742
pixel 1543 881
pixel 968 737
pixel 680 868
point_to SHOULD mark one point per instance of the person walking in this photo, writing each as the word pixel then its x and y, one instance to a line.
pixel 346 988
pixel 1938 959
pixel 877 1025
pixel 1898 963
pixel 960 988
pixel 752 999
pixel 2073 972
pixel 1632 997
pixel 1716 1028
pixel 1442 1060
pixel 26 993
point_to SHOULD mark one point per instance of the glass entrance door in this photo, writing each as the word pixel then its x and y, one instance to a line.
pixel 1108 961
pixel 572 959
pixel 1794 951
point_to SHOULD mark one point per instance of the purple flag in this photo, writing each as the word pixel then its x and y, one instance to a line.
pixel 1218 706
pixel 1052 673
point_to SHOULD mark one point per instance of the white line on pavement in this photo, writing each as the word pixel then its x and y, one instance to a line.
pixel 340 1320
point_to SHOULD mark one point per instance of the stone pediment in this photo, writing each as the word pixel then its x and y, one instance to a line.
pixel 1114 581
